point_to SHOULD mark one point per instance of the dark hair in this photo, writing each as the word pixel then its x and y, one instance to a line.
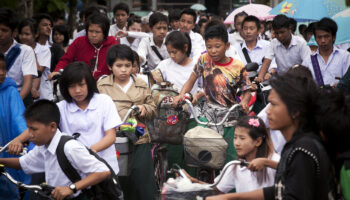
pixel 88 11
pixel 121 6
pixel 136 58
pixel 2 57
pixel 281 21
pixel 189 11
pixel 63 30
pixel 310 27
pixel 157 17
pixel 76 72
pixel 174 15
pixel 8 18
pixel 252 18
pixel 43 111
pixel 201 22
pixel 28 22
pixel 301 104
pixel 101 20
pixel 133 19
pixel 326 24
pixel 240 14
pixel 120 51
pixel 300 71
pixel 292 25
pixel 177 39
pixel 40 16
pixel 216 31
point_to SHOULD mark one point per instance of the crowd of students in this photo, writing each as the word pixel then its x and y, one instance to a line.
pixel 293 149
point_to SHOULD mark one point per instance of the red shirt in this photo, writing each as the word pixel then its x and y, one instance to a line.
pixel 82 50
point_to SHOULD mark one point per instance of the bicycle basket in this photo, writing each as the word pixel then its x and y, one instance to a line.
pixel 170 124
pixel 205 148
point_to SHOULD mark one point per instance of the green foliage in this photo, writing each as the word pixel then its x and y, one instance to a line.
pixel 9 3
pixel 49 6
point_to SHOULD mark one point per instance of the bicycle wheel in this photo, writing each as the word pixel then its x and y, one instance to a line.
pixel 160 166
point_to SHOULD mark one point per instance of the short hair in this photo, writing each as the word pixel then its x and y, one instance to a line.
pixel 201 22
pixel 63 30
pixel 2 57
pixel 252 18
pixel 174 15
pixel 326 24
pixel 300 71
pixel 8 18
pixel 240 14
pixel 157 17
pixel 40 16
pixel 281 21
pixel 120 51
pixel 189 11
pixel 310 27
pixel 136 57
pixel 121 6
pixel 88 11
pixel 28 22
pixel 178 39
pixel 43 111
pixel 216 31
pixel 302 104
pixel 302 28
pixel 133 19
pixel 101 20
pixel 73 73
pixel 292 25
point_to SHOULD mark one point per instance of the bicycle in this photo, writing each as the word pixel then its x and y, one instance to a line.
pixel 56 94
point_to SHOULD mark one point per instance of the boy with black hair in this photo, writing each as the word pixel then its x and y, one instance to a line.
pixel 43 28
pixel 121 14
pixel 287 49
pixel 20 59
pixel 42 119
pixel 126 90
pixel 237 36
pixel 187 23
pixel 152 49
pixel 84 15
pixel 174 19
pixel 328 63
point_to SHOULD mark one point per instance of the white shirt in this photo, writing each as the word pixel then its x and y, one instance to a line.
pixel 134 45
pixel 100 116
pixel 147 54
pixel 127 86
pixel 245 180
pixel 25 64
pixel 113 29
pixel 43 159
pixel 177 74
pixel 43 54
pixel 277 138
pixel 235 38
pixel 336 66
pixel 296 53
pixel 198 45
pixel 256 54
pixel 79 34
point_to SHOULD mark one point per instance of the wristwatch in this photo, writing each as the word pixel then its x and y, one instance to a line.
pixel 73 188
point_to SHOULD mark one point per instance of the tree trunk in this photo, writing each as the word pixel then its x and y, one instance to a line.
pixel 72 19
pixel 25 9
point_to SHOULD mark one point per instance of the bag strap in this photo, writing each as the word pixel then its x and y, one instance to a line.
pixel 154 48
pixel 246 55
pixel 12 56
pixel 317 70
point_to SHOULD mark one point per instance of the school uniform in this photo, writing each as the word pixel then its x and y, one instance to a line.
pixel 337 65
pixel 100 116
pixel 43 55
pixel 198 45
pixel 235 38
pixel 43 159
pixel 113 29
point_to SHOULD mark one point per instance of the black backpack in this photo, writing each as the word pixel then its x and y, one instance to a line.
pixel 107 189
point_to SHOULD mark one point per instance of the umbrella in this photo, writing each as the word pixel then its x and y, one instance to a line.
pixel 258 10
pixel 309 10
pixel 198 6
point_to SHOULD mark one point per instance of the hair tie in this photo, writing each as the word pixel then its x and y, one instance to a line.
pixel 254 122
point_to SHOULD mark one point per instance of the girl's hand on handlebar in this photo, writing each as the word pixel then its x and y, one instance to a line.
pixel 142 110
pixel 245 106
pixel 257 164
pixel 52 75
pixel 177 99
pixel 15 147
pixel 60 193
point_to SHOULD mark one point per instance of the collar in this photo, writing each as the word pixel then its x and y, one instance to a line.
pixel 335 50
pixel 258 45
pixel 108 80
pixel 54 142
pixel 153 44
pixel 13 44
pixel 73 107
pixel 293 42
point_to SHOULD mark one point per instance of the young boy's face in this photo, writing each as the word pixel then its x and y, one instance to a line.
pixel 284 35
pixel 159 31
pixel 39 133
pixel 2 71
pixel 121 16
pixel 324 40
pixel 250 31
pixel 45 27
pixel 95 34
pixel 5 35
pixel 216 49
pixel 186 23
pixel 121 69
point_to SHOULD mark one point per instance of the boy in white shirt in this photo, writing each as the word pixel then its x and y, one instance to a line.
pixel 121 15
pixel 42 119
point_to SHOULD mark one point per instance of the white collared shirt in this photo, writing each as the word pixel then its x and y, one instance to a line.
pixel 43 159
pixel 235 38
pixel 296 53
pixel 25 64
pixel 146 52
pixel 198 45
pixel 113 29
pixel 336 66
pixel 43 55
pixel 256 54
pixel 92 123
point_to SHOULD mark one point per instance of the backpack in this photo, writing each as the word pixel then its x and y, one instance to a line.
pixel 107 189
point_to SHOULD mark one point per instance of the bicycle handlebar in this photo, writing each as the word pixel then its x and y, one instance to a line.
pixel 24 151
pixel 189 103
pixel 133 108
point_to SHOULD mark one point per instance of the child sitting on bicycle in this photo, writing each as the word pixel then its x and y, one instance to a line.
pixel 222 77
pixel 253 144
pixel 43 119
pixel 127 90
